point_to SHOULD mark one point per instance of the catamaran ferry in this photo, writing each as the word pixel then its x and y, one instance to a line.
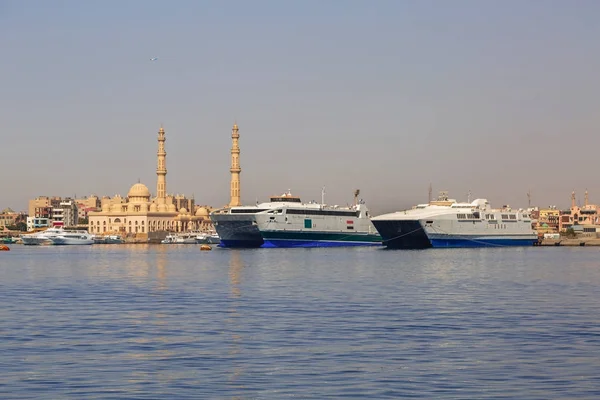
pixel 317 225
pixel 236 227
pixel 448 223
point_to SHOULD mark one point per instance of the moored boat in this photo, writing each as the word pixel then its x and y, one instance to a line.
pixel 317 225
pixel 72 238
pixel 41 237
pixel 447 223
pixel 236 227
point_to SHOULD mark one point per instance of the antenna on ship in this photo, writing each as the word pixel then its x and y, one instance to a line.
pixel 469 197
pixel 529 197
pixel 323 195
pixel 430 191
pixel 356 193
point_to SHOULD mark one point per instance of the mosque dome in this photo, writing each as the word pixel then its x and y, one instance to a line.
pixel 183 210
pixel 105 207
pixel 202 212
pixel 139 190
pixel 171 208
pixel 162 207
pixel 153 207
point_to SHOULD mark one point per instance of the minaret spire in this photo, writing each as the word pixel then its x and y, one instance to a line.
pixel 161 169
pixel 235 168
pixel 586 198
pixel 573 199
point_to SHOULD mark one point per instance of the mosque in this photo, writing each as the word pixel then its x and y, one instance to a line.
pixel 139 214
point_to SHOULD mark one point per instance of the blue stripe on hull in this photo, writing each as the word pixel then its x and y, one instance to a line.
pixel 448 243
pixel 315 243
pixel 241 243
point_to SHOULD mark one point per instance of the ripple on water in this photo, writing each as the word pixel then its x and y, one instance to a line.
pixel 146 322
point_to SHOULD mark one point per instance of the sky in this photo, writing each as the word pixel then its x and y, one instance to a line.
pixel 496 98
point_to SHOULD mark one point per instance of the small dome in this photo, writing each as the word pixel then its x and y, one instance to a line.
pixel 171 208
pixel 139 190
pixel 183 210
pixel 202 212
pixel 153 207
pixel 105 207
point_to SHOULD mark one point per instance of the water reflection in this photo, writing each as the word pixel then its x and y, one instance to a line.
pixel 235 273
pixel 161 270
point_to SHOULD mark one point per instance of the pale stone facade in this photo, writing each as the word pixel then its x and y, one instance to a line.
pixel 139 214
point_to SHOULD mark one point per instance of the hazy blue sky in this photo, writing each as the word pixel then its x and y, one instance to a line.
pixel 495 97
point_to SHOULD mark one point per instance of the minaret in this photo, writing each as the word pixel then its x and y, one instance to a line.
pixel 161 169
pixel 235 168
pixel 586 198
pixel 573 199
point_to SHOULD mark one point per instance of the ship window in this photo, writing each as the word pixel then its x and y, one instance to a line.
pixel 513 216
pixel 349 227
pixel 461 216
pixel 246 211
pixel 307 223
pixel 429 222
pixel 504 216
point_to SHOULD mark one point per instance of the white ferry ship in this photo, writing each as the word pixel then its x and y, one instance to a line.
pixel 317 225
pixel 448 223
pixel 42 237
pixel 236 227
pixel 72 238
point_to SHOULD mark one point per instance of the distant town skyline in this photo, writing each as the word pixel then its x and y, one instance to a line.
pixel 498 98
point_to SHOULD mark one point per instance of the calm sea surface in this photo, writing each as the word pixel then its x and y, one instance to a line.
pixel 172 322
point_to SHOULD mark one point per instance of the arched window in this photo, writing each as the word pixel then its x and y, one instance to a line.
pixel 117 220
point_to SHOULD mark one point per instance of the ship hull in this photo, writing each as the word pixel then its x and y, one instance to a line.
pixel 72 242
pixel 476 241
pixel 410 234
pixel 237 231
pixel 287 239
pixel 402 234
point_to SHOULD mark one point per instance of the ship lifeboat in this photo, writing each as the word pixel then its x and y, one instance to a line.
pixel 4 247
pixel 205 247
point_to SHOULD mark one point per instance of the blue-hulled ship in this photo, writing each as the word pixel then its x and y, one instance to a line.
pixel 447 223
pixel 317 225
pixel 237 227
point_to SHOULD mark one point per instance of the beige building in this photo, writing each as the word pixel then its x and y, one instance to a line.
pixel 8 218
pixel 42 206
pixel 140 214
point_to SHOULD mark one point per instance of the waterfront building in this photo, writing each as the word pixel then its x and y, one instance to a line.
pixel 87 204
pixel 38 223
pixel 547 220
pixel 8 218
pixel 580 218
pixel 65 214
pixel 140 214
pixel 42 206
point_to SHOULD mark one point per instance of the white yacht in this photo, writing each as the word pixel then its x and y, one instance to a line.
pixel 448 223
pixel 185 238
pixel 208 238
pixel 73 238
pixel 317 225
pixel 180 238
pixel 236 227
pixel 42 237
